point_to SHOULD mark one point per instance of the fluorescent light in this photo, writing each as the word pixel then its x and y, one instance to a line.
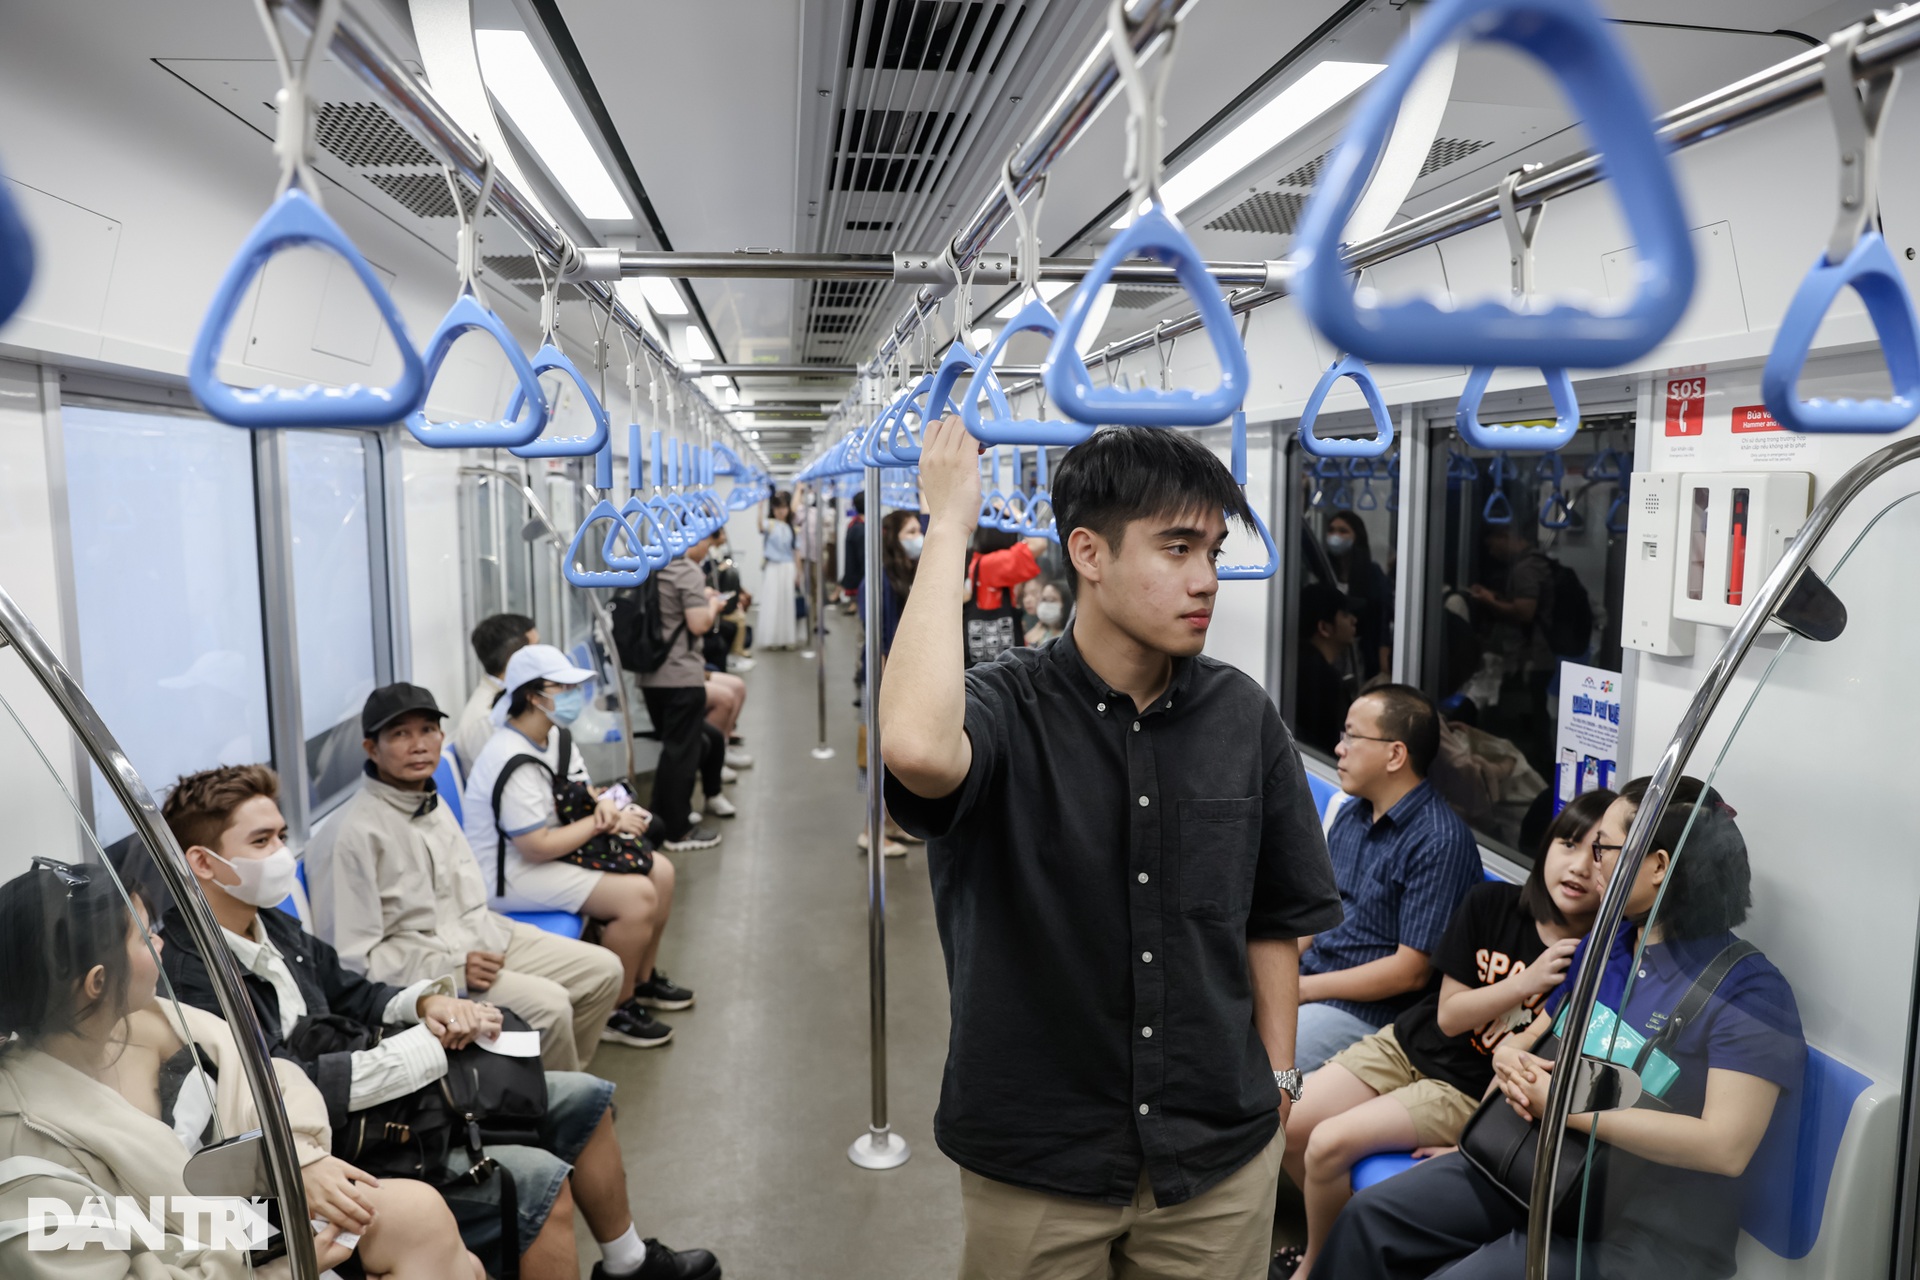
pixel 661 295
pixel 1049 290
pixel 1319 91
pixel 636 301
pixel 519 81
pixel 698 348
pixel 733 394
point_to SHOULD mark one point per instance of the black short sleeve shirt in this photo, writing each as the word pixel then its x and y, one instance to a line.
pixel 1096 879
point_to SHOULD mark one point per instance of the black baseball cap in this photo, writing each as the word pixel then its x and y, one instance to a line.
pixel 389 702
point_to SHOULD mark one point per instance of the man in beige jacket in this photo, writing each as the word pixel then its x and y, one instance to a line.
pixel 395 889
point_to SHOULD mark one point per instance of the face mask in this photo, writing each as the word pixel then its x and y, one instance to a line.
pixel 912 547
pixel 264 882
pixel 567 706
pixel 1048 611
pixel 1339 544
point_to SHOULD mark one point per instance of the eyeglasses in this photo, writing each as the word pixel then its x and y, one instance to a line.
pixel 71 876
pixel 1346 738
pixel 1602 850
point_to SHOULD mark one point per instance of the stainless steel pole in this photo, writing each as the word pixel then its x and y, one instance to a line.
pixel 879 1147
pixel 821 540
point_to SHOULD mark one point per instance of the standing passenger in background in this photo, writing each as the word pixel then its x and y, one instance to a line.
pixel 494 641
pixel 779 628
pixel 1051 611
pixel 676 696
pixel 1366 586
pixel 1001 561
pixel 901 537
pixel 1124 855
pixel 1404 860
pixel 1327 679
pixel 854 571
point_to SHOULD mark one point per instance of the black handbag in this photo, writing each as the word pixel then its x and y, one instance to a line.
pixel 1505 1148
pixel 620 854
pixel 989 632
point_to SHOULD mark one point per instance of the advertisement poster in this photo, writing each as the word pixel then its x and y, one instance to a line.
pixel 1587 744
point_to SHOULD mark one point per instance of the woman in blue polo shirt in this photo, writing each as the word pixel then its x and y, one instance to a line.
pixel 1669 1201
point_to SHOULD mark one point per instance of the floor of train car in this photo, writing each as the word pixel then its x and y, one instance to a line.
pixel 736 1133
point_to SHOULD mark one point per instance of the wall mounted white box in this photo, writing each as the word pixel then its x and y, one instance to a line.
pixel 1733 528
pixel 1653 545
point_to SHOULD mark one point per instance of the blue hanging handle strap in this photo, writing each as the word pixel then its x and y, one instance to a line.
pixel 579 577
pixel 1857 256
pixel 296 218
pixel 1556 512
pixel 1267 568
pixel 1362 469
pixel 1461 468
pixel 1518 439
pixel 551 359
pixel 1609 466
pixel 1393 483
pixel 16 256
pixel 1498 508
pixel 1347 366
pixel 1572 41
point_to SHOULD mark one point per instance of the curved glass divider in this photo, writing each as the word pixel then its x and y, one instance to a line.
pixel 66 898
pixel 1796 1061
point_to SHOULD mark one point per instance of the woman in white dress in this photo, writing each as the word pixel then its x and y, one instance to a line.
pixel 779 628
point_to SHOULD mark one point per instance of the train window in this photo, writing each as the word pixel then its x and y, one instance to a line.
pixel 166 580
pixel 1529 555
pixel 336 580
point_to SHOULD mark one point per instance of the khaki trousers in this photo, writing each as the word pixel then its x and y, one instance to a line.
pixel 1225 1234
pixel 563 987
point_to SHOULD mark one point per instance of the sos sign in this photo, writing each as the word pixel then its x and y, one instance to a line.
pixel 1686 406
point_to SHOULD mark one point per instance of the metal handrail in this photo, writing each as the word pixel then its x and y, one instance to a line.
pixel 283 1167
pixel 1713 686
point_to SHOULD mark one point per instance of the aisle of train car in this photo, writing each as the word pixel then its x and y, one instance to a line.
pixel 736 1133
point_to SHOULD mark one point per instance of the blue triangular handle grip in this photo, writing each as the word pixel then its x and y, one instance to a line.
pixel 1248 572
pixel 550 359
pixel 899 439
pixel 1571 39
pixel 469 314
pixel 602 510
pixel 1154 234
pixel 1347 366
pixel 1002 427
pixel 648 555
pixel 1870 269
pixel 16 256
pixel 1566 414
pixel 1557 511
pixel 957 361
pixel 296 219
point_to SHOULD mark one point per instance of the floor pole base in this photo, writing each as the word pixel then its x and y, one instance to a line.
pixel 879 1149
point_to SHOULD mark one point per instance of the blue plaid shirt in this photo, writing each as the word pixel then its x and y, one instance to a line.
pixel 1401 876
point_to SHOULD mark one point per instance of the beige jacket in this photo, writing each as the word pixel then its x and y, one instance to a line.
pixel 53 1113
pixel 396 890
pixel 474 728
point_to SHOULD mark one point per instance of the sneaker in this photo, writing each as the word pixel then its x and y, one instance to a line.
pixel 667 1264
pixel 739 666
pixel 631 1025
pixel 660 992
pixel 697 837
pixel 721 807
pixel 888 848
pixel 695 817
pixel 735 738
pixel 729 774
pixel 738 759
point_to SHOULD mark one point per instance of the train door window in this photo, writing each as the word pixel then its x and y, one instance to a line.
pixel 1346 517
pixel 338 584
pixel 1529 555
pixel 166 580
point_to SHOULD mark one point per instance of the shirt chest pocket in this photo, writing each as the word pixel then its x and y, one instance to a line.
pixel 1219 847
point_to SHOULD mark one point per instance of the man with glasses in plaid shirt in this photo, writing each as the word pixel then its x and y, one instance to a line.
pixel 1403 860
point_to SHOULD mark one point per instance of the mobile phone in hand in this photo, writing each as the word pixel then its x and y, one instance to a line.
pixel 619 794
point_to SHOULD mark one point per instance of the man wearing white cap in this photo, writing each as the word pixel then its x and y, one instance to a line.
pixel 529 871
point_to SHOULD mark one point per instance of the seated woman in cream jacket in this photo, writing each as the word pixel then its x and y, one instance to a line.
pixel 86 1108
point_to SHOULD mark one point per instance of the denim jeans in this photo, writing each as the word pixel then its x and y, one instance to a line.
pixel 1324 1031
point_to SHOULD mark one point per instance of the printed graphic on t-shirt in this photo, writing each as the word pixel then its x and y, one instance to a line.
pixel 1494 966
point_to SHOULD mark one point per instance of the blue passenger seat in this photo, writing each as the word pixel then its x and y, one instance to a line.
pixel 447 781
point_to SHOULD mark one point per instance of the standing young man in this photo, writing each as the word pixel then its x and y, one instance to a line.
pixel 1124 855
pixel 676 695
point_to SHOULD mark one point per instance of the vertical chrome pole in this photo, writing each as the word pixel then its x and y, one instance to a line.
pixel 822 539
pixel 879 1147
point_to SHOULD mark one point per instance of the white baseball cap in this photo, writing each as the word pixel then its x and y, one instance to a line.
pixel 542 662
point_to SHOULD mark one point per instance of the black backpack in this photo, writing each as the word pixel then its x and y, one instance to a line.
pixel 1569 628
pixel 639 633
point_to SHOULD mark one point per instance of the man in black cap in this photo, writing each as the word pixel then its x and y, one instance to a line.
pixel 396 890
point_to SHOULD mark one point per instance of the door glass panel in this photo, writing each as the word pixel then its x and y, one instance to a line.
pixel 108 1077
pixel 1795 1065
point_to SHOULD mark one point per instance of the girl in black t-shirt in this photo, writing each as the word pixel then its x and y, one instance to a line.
pixel 1415 1082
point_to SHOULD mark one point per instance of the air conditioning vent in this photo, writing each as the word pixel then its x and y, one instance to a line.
pixel 1447 150
pixel 845 293
pixel 1307 174
pixel 518 270
pixel 869 226
pixel 1272 213
pixel 925 35
pixel 363 135
pixel 425 195
pixel 1140 297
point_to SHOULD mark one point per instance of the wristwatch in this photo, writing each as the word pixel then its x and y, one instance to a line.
pixel 1289 1083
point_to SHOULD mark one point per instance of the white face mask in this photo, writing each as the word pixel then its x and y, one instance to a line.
pixel 912 547
pixel 1338 544
pixel 264 882
pixel 1048 611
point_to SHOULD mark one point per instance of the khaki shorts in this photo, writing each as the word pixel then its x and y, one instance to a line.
pixel 1439 1110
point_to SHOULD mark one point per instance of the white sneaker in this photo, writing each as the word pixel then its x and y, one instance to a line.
pixel 721 807
pixel 739 666
pixel 738 759
pixel 729 774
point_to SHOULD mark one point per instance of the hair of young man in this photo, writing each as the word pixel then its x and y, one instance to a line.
pixel 859 503
pixel 1571 824
pixel 1407 716
pixel 498 638
pixel 200 806
pixel 1123 474
pixel 1709 884
pixel 1320 602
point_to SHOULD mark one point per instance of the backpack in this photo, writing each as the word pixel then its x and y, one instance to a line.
pixel 620 854
pixel 1569 628
pixel 639 629
pixel 989 632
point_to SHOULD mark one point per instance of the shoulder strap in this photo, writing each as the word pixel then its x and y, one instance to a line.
pixel 500 789
pixel 565 755
pixel 1694 1003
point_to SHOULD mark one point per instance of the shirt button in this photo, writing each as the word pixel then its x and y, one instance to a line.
pixel 1146 957
pixel 1101 706
pixel 1143 877
pixel 1136 726
pixel 1147 1032
pixel 1143 1108
pixel 1143 802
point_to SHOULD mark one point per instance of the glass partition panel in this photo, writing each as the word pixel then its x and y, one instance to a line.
pixel 1766 1140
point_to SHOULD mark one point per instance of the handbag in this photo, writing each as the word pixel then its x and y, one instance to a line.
pixel 619 854
pixel 989 632
pixel 1503 1147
